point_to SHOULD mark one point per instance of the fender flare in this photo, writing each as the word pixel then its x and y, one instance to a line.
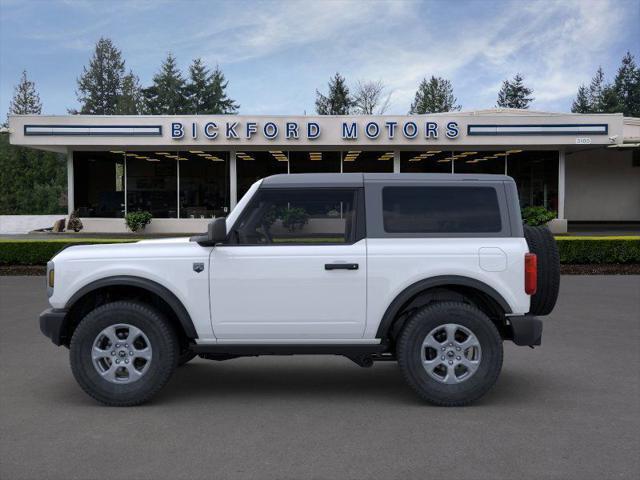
pixel 441 281
pixel 131 281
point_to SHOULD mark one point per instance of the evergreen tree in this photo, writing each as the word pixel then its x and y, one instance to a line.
pixel 627 86
pixel 338 101
pixel 25 99
pixel 130 101
pixel 596 91
pixel 581 104
pixel 167 95
pixel 514 94
pixel 100 85
pixel 31 181
pixel 206 91
pixel 433 96
pixel 219 102
pixel 196 89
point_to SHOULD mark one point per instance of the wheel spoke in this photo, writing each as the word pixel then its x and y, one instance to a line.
pixel 431 342
pixel 451 330
pixel 110 374
pixel 471 365
pixel 144 353
pixel 133 373
pixel 471 341
pixel 133 333
pixel 98 353
pixel 451 375
pixel 110 333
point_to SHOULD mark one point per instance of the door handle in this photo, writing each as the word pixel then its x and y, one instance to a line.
pixel 341 266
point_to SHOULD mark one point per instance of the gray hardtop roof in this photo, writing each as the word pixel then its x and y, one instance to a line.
pixel 359 179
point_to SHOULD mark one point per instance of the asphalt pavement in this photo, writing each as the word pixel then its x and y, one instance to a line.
pixel 567 410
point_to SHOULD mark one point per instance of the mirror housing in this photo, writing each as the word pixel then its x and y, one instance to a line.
pixel 217 231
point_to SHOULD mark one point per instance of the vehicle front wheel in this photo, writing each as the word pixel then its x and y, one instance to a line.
pixel 123 353
pixel 450 353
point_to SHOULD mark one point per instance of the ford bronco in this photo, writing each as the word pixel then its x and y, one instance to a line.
pixel 433 271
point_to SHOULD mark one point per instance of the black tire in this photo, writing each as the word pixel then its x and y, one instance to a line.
pixel 163 342
pixel 409 352
pixel 542 243
pixel 186 356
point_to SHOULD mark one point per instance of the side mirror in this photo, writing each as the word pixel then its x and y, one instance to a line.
pixel 217 231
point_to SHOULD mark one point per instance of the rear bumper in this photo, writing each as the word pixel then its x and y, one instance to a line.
pixel 53 323
pixel 526 330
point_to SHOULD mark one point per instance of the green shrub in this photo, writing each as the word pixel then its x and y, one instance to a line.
pixel 137 220
pixel 535 216
pixel 590 250
pixel 294 217
pixel 39 252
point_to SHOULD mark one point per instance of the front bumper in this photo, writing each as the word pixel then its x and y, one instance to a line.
pixel 526 330
pixel 53 322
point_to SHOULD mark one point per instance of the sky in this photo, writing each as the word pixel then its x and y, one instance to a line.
pixel 275 54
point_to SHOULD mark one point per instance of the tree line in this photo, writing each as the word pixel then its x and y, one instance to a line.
pixel 106 88
pixel 33 181
pixel 435 95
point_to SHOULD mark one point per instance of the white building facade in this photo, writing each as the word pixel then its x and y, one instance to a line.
pixel 186 170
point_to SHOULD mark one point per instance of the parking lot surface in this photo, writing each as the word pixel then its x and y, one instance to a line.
pixel 569 409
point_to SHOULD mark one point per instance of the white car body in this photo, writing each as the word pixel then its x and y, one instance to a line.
pixel 282 294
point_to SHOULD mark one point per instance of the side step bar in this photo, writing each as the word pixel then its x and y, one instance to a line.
pixel 363 355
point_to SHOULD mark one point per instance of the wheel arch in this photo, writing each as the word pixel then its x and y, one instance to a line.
pixel 127 286
pixel 442 288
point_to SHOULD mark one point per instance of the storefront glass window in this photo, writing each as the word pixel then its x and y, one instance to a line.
pixel 367 161
pixel 252 166
pixel 426 161
pixel 152 183
pixel 99 184
pixel 471 161
pixel 314 162
pixel 204 184
pixel 536 174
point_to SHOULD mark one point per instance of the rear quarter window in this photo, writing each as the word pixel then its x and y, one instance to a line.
pixel 441 209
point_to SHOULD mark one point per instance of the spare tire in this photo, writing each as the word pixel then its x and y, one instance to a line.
pixel 542 243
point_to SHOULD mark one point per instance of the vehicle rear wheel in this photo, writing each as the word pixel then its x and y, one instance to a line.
pixel 450 353
pixel 541 242
pixel 123 353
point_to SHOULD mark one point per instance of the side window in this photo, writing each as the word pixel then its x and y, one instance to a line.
pixel 298 216
pixel 433 209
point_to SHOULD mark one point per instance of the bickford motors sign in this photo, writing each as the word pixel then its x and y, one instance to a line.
pixel 294 130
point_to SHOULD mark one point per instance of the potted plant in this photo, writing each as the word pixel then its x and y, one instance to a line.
pixel 137 221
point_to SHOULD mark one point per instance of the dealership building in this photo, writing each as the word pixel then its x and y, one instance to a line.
pixel 186 170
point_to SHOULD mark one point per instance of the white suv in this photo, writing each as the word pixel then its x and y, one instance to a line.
pixel 433 271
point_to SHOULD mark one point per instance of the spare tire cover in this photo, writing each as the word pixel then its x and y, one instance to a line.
pixel 542 243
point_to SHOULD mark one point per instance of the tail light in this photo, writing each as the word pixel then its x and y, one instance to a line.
pixel 530 273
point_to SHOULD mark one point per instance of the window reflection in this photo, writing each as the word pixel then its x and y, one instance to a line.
pixel 99 184
pixel 204 184
pixel 152 183
pixel 252 166
pixel 367 161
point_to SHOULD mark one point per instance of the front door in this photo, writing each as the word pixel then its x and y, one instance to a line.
pixel 294 267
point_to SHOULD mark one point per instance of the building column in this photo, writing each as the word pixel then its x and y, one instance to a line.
pixel 70 190
pixel 396 161
pixel 561 177
pixel 233 180
pixel 559 225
